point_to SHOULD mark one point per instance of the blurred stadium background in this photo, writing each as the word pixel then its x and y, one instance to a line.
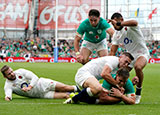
pixel 28 27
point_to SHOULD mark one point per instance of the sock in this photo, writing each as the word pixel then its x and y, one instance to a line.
pixel 138 90
pixel 83 96
pixel 75 88
pixel 89 92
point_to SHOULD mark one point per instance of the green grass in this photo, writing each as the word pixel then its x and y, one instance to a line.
pixel 64 72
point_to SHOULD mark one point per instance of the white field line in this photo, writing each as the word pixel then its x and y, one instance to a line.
pixel 30 103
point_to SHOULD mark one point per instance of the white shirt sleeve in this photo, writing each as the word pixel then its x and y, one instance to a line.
pixel 115 38
pixel 113 62
pixel 8 90
pixel 30 75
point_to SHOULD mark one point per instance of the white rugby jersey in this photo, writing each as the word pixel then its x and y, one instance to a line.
pixel 95 66
pixel 23 79
pixel 133 40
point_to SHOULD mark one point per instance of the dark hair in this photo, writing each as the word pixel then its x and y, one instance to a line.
pixel 4 68
pixel 128 55
pixel 116 15
pixel 94 12
pixel 123 72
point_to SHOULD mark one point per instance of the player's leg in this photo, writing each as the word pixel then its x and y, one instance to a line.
pixel 92 87
pixel 61 87
pixel 138 66
pixel 93 84
pixel 102 48
pixel 85 53
pixel 102 53
pixel 55 95
pixel 61 95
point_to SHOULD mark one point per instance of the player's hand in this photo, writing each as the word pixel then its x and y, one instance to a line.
pixel 79 58
pixel 25 89
pixel 111 21
pixel 115 92
pixel 7 98
pixel 135 80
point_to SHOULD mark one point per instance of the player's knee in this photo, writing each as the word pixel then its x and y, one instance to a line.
pixel 138 68
pixel 96 90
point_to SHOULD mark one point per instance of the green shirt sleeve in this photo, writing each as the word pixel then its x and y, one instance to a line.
pixel 81 29
pixel 129 89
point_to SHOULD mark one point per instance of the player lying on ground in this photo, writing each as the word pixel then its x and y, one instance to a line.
pixel 25 83
pixel 101 68
pixel 112 95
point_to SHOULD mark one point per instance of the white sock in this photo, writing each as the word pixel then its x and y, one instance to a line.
pixel 89 92
pixel 75 88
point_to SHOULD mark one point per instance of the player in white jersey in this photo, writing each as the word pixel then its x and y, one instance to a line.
pixel 88 75
pixel 129 34
pixel 25 83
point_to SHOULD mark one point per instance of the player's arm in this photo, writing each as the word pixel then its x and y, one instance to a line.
pixel 8 92
pixel 106 75
pixel 104 98
pixel 124 23
pixel 127 100
pixel 113 50
pixel 129 23
pixel 76 42
pixel 110 31
pixel 29 75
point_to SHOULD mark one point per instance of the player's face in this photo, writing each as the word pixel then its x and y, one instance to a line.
pixel 124 61
pixel 121 81
pixel 10 75
pixel 115 26
pixel 94 20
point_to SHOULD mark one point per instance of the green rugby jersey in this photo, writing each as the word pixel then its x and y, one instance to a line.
pixel 93 34
pixel 129 89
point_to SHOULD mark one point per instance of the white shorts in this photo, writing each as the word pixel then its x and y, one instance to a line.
pixel 95 46
pixel 81 77
pixel 46 87
pixel 147 56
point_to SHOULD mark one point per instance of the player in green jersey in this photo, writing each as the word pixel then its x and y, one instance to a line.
pixel 94 28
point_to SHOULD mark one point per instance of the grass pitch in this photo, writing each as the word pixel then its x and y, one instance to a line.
pixel 64 72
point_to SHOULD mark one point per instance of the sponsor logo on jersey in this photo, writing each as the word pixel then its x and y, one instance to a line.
pixel 127 41
pixel 24 85
pixel 90 32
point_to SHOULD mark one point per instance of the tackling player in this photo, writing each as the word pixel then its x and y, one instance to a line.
pixel 95 29
pixel 129 34
pixel 101 68
pixel 25 83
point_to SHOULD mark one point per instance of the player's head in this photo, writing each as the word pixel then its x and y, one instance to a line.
pixel 8 72
pixel 125 59
pixel 94 17
pixel 122 76
pixel 118 18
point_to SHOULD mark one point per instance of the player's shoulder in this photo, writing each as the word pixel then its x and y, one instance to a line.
pixel 20 70
pixel 86 21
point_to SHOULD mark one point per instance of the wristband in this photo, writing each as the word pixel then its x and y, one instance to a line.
pixel 118 23
pixel 77 53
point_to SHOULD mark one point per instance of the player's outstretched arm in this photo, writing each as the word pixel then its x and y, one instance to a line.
pixel 104 98
pixel 127 100
pixel 129 23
